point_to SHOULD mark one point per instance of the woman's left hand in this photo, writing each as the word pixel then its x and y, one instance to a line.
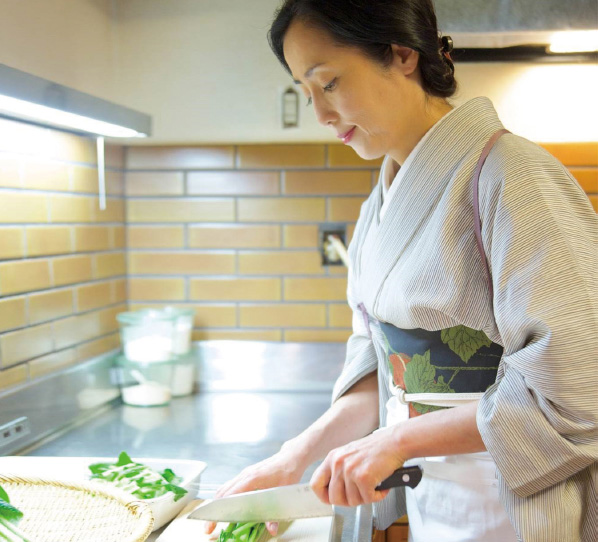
pixel 349 474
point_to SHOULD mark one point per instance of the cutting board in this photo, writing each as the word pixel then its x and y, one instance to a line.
pixel 183 529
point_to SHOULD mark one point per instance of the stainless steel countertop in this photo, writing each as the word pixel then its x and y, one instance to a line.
pixel 243 412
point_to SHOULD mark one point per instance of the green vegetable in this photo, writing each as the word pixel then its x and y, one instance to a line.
pixel 138 479
pixel 9 518
pixel 242 532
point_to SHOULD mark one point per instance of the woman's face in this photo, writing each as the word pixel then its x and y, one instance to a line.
pixel 374 109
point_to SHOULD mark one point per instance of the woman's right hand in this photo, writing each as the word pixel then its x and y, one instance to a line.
pixel 281 469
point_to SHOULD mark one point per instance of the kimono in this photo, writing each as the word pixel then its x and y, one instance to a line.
pixel 419 267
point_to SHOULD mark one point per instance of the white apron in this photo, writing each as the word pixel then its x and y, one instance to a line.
pixel 457 498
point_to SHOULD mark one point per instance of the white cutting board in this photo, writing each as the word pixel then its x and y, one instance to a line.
pixel 183 529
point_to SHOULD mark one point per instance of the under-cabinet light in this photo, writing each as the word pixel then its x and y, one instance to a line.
pixel 575 41
pixel 48 115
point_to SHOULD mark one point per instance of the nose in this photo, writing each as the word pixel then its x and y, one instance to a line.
pixel 325 115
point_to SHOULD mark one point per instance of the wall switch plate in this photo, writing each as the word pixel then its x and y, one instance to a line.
pixel 329 254
pixel 14 430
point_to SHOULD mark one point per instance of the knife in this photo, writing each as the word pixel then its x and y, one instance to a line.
pixel 286 503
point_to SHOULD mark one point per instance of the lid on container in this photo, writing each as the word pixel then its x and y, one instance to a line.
pixel 177 312
pixel 142 316
pixel 123 361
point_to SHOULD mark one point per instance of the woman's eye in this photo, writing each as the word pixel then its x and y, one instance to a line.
pixel 330 86
pixel 308 101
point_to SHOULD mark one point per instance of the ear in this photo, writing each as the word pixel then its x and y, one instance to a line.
pixel 405 59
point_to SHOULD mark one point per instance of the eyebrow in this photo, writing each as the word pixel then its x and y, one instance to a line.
pixel 308 72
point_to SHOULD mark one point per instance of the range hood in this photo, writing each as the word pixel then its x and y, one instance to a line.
pixel 517 29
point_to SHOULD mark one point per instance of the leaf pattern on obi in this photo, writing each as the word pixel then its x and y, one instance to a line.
pixel 464 341
pixel 420 377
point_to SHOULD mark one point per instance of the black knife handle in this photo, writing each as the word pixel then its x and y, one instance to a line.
pixel 406 476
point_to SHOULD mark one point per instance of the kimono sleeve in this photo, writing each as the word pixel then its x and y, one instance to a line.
pixel 539 421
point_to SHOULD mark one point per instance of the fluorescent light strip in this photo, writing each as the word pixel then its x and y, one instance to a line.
pixel 41 113
pixel 574 41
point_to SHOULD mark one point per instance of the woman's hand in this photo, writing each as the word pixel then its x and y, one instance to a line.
pixel 349 474
pixel 281 469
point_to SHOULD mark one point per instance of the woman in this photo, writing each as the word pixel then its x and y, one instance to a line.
pixel 500 329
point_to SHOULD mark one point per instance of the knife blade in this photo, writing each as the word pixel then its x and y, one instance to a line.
pixel 286 503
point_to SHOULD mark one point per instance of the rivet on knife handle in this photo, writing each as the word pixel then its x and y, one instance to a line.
pixel 406 476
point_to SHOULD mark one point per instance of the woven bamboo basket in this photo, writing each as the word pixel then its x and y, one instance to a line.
pixel 58 511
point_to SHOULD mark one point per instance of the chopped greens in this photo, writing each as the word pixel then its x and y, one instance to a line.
pixel 242 532
pixel 138 479
pixel 9 517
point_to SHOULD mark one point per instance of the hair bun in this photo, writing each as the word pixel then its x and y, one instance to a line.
pixel 447 44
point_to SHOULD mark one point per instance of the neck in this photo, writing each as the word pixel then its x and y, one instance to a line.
pixel 431 112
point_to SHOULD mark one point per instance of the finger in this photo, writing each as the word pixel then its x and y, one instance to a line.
pixel 336 488
pixel 209 526
pixel 354 496
pixel 272 527
pixel 319 482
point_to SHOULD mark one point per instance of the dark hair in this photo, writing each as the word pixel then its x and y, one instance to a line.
pixel 373 26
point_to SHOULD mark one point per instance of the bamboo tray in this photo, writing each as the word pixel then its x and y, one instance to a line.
pixel 58 511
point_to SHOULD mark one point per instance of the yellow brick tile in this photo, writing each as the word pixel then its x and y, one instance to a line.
pixel 10 172
pixel 13 376
pixel 156 289
pixel 344 209
pixel 234 236
pixel 71 208
pixel 93 296
pixel 155 236
pixel 107 318
pixel 180 210
pixel 51 363
pixel 344 156
pixel 73 148
pixel 316 335
pixel 97 347
pixel 119 291
pixel 282 209
pixel 23 208
pixel 283 315
pixel 233 183
pixel 45 175
pixel 45 240
pixel 12 313
pixel 76 329
pixel 71 270
pixel 350 233
pixel 114 211
pixel 25 344
pixel 11 243
pixel 112 264
pixel 594 202
pixel 235 289
pixel 320 289
pixel 24 276
pixel 114 155
pixel 154 183
pixel 267 156
pixel 118 237
pixel 115 183
pixel 280 263
pixel 300 236
pixel 574 154
pixel 587 178
pixel 170 263
pixel 92 238
pixel 84 179
pixel 327 182
pixel 50 305
pixel 337 270
pixel 215 316
pixel 340 315
pixel 237 335
pixel 179 157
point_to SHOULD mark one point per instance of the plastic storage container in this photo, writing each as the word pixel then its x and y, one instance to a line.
pixel 183 375
pixel 151 335
pixel 145 384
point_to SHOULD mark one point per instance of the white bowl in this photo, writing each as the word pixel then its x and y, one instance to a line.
pixel 164 508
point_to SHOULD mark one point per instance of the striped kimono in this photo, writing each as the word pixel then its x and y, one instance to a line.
pixel 419 267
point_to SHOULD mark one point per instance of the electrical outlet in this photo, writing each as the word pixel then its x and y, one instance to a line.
pixel 327 251
pixel 14 430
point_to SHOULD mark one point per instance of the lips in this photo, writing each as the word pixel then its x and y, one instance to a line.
pixel 346 137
